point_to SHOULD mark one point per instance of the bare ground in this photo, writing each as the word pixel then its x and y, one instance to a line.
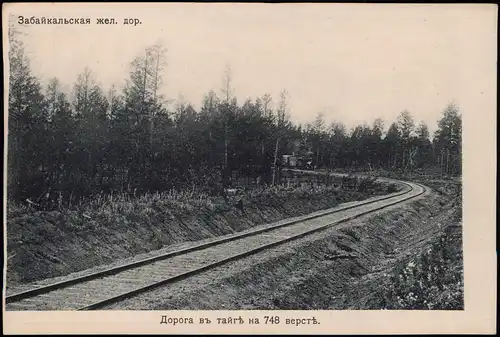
pixel 405 257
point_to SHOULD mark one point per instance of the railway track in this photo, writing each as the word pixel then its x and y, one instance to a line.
pixel 102 288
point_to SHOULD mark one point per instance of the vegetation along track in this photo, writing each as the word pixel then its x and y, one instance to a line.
pixel 99 289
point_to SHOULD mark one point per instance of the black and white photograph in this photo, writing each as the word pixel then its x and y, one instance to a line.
pixel 245 157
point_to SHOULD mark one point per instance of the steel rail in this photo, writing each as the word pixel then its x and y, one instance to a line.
pixel 114 299
pixel 115 270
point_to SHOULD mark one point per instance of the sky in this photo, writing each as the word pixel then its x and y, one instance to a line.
pixel 351 62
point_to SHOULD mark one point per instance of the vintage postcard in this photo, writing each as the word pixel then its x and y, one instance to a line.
pixel 263 168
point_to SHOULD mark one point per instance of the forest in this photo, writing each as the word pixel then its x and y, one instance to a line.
pixel 67 146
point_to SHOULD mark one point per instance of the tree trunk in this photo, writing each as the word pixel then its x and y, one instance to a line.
pixel 403 160
pixel 211 149
pixel 447 161
pixel 226 166
pixel 442 164
pixel 154 100
pixel 225 154
pixel 275 161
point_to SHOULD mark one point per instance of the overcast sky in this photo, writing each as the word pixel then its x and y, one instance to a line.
pixel 351 62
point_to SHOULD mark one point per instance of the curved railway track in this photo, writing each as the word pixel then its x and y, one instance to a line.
pixel 102 288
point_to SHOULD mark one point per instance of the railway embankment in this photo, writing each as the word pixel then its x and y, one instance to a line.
pixel 407 257
pixel 51 243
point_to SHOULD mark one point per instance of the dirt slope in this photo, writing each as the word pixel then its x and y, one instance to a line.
pixel 405 258
pixel 49 244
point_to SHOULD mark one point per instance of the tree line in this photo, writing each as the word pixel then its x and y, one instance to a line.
pixel 73 145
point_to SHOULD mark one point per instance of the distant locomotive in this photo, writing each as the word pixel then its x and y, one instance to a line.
pixel 292 161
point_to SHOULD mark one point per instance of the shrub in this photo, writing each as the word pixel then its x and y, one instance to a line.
pixel 392 188
pixel 433 280
pixel 366 183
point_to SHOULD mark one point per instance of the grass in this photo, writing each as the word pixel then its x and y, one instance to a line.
pixel 190 200
pixel 434 278
pixel 118 225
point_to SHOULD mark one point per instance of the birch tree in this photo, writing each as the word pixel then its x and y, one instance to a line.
pixel 158 62
pixel 281 119
pixel 225 109
pixel 448 140
pixel 406 126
